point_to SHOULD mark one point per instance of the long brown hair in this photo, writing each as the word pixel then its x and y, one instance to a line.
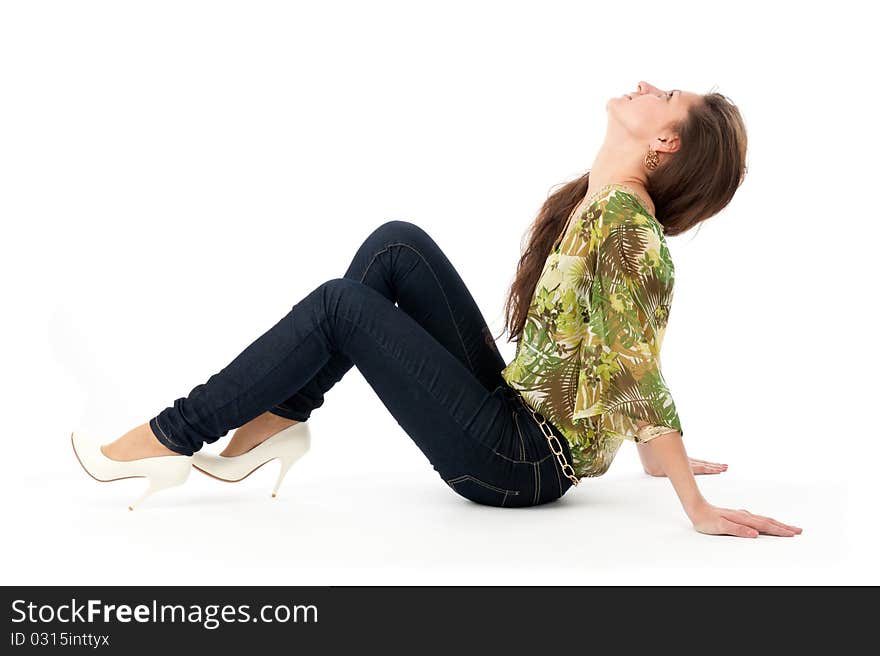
pixel 693 184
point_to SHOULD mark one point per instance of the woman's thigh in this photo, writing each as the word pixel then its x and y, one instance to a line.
pixel 406 265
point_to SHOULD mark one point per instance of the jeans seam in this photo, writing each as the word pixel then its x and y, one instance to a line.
pixel 501 436
pixel 537 483
pixel 526 462
pixel 439 285
pixel 522 446
pixel 538 491
pixel 463 477
pixel 275 410
pixel 165 435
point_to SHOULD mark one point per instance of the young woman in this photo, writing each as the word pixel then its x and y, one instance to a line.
pixel 588 307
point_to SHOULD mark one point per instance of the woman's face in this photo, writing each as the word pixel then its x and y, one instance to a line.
pixel 648 111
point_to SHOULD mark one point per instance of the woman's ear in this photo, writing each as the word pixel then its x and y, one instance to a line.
pixel 668 143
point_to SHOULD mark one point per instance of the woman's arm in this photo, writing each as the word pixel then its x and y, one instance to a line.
pixel 653 468
pixel 668 451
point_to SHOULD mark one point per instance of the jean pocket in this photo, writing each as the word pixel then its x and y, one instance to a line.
pixel 472 488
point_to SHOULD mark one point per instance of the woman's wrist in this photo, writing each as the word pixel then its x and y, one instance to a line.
pixel 695 507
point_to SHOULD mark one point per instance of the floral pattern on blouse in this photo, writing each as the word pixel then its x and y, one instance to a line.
pixel 588 358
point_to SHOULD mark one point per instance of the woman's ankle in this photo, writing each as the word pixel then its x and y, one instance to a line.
pixel 139 442
pixel 255 432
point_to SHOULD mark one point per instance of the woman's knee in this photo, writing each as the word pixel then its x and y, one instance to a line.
pixel 346 296
pixel 344 303
pixel 398 231
pixel 393 244
pixel 339 288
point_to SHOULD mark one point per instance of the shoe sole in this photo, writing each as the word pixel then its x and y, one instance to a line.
pixel 234 480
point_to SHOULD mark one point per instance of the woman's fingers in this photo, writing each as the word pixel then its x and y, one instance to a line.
pixel 708 462
pixel 769 520
pixel 763 524
pixel 782 525
pixel 739 530
pixel 704 467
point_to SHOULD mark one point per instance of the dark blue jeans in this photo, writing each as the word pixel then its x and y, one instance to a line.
pixel 404 316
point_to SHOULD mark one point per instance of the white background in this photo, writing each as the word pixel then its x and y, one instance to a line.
pixel 174 176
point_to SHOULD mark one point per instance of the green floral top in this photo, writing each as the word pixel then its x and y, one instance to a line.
pixel 589 355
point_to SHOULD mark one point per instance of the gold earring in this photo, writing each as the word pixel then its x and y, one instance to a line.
pixel 652 159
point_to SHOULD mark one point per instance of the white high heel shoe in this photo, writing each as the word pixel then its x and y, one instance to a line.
pixel 161 472
pixel 288 445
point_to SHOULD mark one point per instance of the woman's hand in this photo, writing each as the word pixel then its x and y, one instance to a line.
pixel 668 452
pixel 713 520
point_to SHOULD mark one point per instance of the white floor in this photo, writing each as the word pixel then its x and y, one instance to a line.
pixel 335 525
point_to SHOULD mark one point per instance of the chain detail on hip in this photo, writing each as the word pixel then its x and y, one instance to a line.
pixel 567 469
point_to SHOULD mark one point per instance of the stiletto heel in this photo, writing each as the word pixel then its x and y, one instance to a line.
pixel 287 445
pixel 161 472
pixel 165 479
pixel 282 471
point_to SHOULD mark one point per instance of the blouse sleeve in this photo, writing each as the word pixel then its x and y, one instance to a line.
pixel 620 381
